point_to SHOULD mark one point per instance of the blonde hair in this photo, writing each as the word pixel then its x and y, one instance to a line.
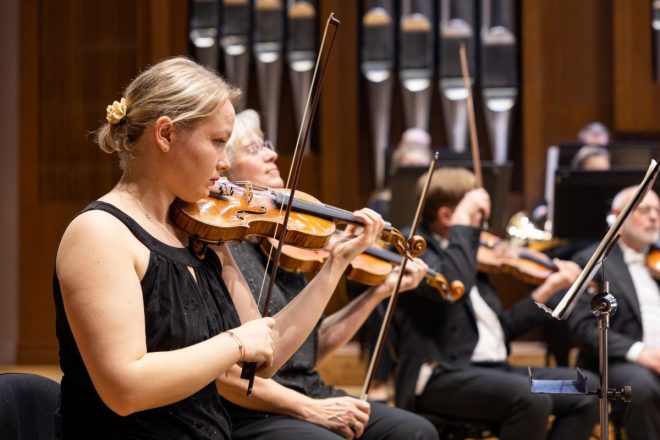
pixel 447 188
pixel 176 87
pixel 246 123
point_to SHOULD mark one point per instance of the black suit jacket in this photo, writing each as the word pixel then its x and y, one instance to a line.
pixel 625 324
pixel 434 330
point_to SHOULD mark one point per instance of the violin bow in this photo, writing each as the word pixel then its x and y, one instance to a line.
pixel 249 368
pixel 389 313
pixel 474 140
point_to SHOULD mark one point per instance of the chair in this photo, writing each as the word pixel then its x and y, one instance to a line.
pixel 27 406
pixel 450 428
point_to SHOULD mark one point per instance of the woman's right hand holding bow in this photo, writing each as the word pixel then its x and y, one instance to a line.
pixel 255 341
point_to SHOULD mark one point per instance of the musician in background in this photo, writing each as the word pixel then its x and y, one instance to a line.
pixel 634 335
pixel 591 157
pixel 594 133
pixel 453 357
pixel 296 403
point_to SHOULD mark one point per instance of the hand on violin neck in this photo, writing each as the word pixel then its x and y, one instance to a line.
pixel 565 275
pixel 473 209
pixel 357 239
pixel 415 272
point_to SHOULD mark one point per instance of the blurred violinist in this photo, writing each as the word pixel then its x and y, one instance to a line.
pixel 144 326
pixel 634 334
pixel 453 356
pixel 296 403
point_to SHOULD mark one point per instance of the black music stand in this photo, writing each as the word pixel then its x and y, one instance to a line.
pixel 603 305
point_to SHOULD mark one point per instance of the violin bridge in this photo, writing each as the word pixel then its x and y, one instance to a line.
pixel 248 194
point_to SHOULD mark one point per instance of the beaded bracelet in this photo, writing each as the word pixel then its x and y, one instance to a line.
pixel 241 347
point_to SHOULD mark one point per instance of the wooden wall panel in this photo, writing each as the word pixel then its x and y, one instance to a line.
pixel 637 95
pixel 86 65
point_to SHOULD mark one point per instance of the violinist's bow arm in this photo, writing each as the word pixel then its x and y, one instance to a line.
pixel 569 300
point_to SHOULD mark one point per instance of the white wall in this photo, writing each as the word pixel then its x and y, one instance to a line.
pixel 9 19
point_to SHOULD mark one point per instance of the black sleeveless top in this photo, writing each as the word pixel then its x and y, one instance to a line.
pixel 179 312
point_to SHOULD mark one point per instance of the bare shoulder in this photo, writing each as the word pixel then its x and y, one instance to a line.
pixel 96 239
pixel 93 229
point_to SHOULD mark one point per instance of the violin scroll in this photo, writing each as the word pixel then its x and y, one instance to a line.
pixel 411 249
pixel 457 290
pixel 416 245
pixel 450 292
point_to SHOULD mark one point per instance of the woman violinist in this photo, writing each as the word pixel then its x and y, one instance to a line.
pixel 296 403
pixel 144 327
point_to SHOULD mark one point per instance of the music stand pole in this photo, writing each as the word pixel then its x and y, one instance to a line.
pixel 603 306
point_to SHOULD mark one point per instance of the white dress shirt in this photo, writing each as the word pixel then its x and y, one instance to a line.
pixel 490 346
pixel 648 296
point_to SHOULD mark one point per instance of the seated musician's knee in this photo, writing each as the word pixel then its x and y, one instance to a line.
pixel 533 406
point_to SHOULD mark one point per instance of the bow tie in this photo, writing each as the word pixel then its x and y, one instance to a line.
pixel 631 256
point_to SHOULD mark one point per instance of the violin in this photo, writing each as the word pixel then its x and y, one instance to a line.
pixel 499 256
pixel 369 268
pixel 240 209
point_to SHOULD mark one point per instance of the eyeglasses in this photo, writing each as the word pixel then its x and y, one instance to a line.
pixel 255 147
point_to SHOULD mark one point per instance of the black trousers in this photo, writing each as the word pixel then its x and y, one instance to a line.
pixel 641 417
pixel 385 423
pixel 501 394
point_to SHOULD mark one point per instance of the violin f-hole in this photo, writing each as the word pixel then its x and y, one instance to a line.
pixel 257 211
